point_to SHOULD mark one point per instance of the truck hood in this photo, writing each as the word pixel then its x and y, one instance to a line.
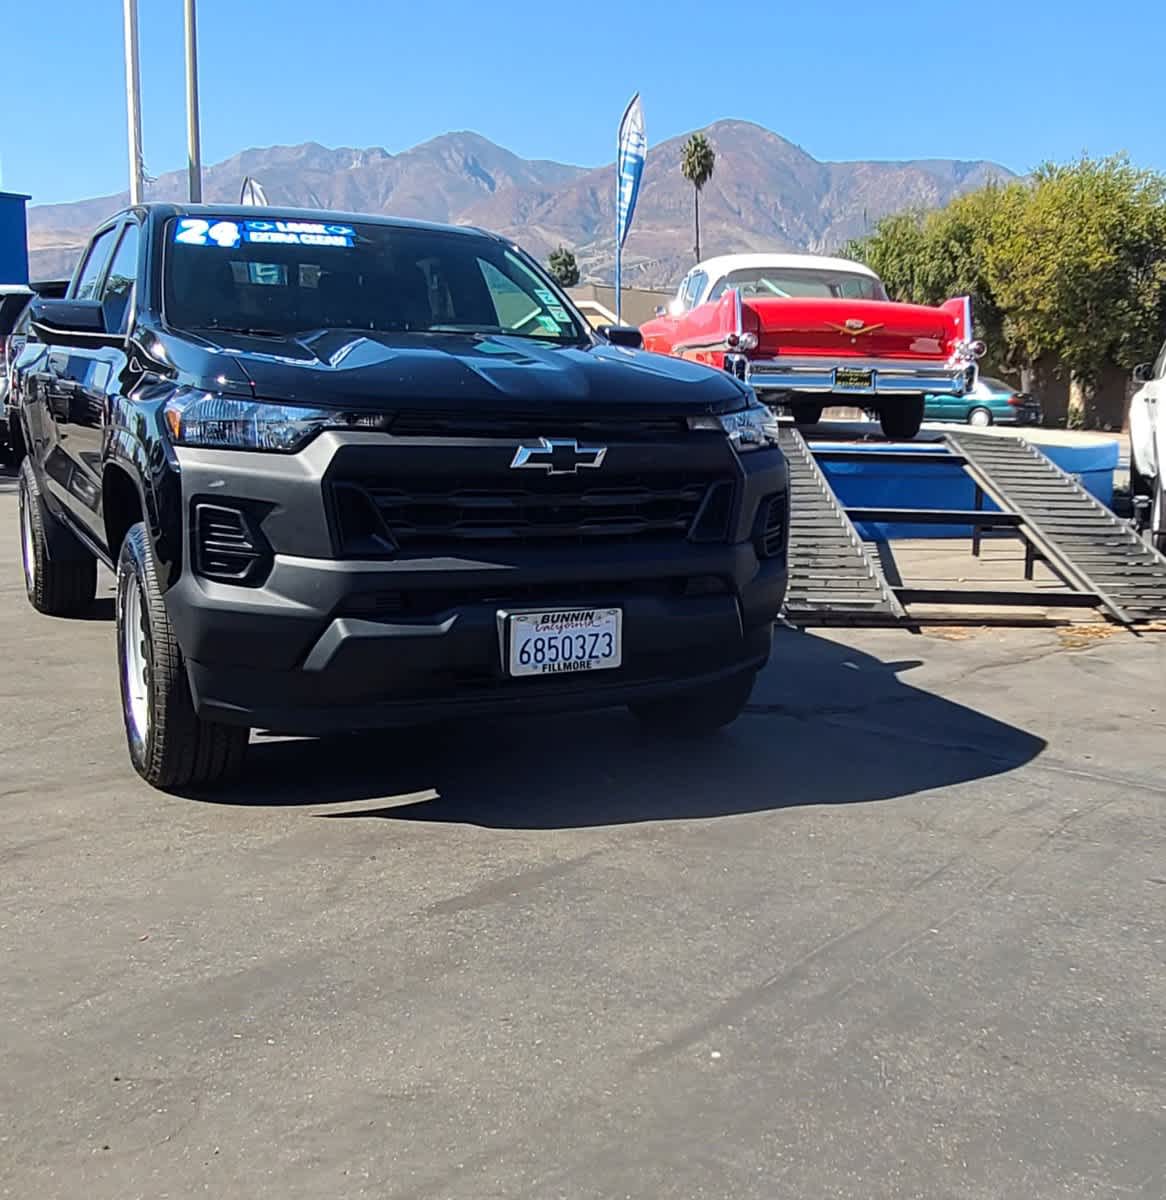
pixel 851 328
pixel 387 371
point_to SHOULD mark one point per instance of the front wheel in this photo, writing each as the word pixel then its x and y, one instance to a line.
pixel 698 712
pixel 171 747
pixel 902 420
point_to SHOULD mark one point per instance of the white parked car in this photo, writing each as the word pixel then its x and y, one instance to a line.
pixel 1148 446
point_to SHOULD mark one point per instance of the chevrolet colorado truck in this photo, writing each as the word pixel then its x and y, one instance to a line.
pixel 807 332
pixel 355 472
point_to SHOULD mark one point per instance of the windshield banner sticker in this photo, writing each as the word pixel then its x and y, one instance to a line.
pixel 550 324
pixel 195 231
pixel 560 314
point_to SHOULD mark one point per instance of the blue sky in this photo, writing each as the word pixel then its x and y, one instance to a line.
pixel 1020 82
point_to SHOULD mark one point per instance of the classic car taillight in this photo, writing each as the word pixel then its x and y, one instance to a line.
pixel 742 341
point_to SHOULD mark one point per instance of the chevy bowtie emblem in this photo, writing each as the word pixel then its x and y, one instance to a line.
pixel 557 456
pixel 854 327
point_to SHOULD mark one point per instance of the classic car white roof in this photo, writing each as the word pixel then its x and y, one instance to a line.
pixel 723 264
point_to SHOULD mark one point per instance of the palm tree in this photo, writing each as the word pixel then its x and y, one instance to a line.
pixel 697 164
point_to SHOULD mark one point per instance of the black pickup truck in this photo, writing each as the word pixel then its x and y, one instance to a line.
pixel 355 472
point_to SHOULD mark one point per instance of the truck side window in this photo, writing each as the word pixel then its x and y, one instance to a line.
pixel 118 291
pixel 85 285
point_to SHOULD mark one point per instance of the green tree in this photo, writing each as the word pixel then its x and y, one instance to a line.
pixel 1077 261
pixel 697 164
pixel 563 267
pixel 927 258
pixel 1066 270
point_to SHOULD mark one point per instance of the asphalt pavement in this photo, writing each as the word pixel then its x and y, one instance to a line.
pixel 898 933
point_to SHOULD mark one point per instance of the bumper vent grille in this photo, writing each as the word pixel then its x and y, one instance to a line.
pixel 772 526
pixel 227 546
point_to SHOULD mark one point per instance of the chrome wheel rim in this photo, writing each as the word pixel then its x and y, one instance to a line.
pixel 979 417
pixel 133 634
pixel 27 546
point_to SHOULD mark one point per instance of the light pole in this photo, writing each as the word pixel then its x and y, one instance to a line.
pixel 194 148
pixel 133 100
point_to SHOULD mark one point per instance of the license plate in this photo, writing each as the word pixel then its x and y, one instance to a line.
pixel 847 379
pixel 563 641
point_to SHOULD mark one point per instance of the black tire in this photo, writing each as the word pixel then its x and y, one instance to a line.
pixel 175 750
pixel 985 415
pixel 1156 531
pixel 901 421
pixel 60 575
pixel 807 414
pixel 699 712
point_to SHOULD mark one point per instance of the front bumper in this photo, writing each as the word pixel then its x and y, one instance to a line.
pixel 327 644
pixel 860 377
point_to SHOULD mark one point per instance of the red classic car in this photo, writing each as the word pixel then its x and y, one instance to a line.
pixel 807 332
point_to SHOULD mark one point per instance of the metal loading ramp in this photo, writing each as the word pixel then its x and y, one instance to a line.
pixel 832 577
pixel 1078 537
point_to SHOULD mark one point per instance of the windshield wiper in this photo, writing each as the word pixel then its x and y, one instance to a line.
pixel 472 330
pixel 498 331
pixel 251 331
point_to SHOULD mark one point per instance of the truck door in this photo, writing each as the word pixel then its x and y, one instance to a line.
pixel 72 385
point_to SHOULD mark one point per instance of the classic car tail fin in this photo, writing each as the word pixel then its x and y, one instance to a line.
pixel 961 309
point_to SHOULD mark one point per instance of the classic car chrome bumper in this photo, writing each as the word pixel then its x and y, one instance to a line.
pixel 857 377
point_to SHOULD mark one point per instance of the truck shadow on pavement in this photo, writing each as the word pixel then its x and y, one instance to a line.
pixel 828 725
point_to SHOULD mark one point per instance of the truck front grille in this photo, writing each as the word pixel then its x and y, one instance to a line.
pixel 428 517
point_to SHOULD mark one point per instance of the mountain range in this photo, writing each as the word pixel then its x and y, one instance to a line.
pixel 766 193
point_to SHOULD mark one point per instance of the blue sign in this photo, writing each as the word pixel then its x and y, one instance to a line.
pixel 633 149
pixel 629 167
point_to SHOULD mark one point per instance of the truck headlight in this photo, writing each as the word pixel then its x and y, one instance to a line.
pixel 222 422
pixel 751 428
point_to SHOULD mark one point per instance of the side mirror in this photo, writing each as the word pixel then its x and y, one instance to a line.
pixel 1143 372
pixel 623 335
pixel 79 323
pixel 13 302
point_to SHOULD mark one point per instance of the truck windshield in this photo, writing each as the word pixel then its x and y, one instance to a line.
pixel 801 281
pixel 274 276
